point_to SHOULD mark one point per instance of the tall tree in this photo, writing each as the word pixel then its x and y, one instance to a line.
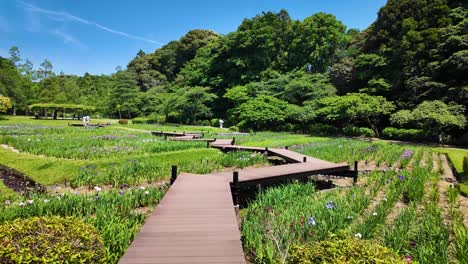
pixel 124 94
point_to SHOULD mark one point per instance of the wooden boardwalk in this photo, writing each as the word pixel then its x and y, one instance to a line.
pixel 177 134
pixel 196 222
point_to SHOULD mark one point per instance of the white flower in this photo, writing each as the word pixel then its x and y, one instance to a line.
pixel 29 139
pixel 142 188
pixel 97 188
pixel 374 213
pixel 147 192
pixel 358 235
pixel 21 204
pixel 62 194
pixel 30 201
pixel 349 217
pixel 385 199
pixel 46 200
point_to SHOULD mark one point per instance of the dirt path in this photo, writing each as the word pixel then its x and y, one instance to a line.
pixel 397 208
pixel 447 181
pixel 379 197
pixel 423 162
pixel 10 148
pixel 435 162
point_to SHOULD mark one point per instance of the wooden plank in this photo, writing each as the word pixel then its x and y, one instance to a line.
pixel 194 223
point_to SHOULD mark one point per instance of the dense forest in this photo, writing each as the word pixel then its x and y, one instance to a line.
pixel 404 77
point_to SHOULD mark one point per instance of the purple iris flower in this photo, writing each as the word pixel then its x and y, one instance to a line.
pixel 312 221
pixel 330 205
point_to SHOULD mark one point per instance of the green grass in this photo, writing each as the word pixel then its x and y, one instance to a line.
pixel 6 193
pixel 44 170
pixel 456 155
pixel 177 128
pixel 30 120
pixel 463 188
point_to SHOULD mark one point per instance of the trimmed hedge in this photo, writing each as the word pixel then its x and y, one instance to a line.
pixel 403 134
pixel 123 121
pixel 341 251
pixel 319 129
pixel 358 131
pixel 50 240
pixel 140 120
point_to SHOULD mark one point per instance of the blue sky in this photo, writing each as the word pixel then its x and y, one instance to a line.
pixel 96 36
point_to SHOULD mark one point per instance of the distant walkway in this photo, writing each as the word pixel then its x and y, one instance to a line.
pixel 195 222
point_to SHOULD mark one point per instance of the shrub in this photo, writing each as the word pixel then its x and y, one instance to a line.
pixel 403 134
pixel 358 131
pixel 50 240
pixel 140 120
pixel 123 121
pixel 242 124
pixel 205 123
pixel 287 127
pixel 340 251
pixel 322 130
pixel 464 177
pixel 214 122
pixel 234 128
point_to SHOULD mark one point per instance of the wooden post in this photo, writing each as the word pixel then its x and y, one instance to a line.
pixel 286 147
pixel 304 159
pixel 235 187
pixel 356 172
pixel 174 174
pixel 207 144
pixel 233 142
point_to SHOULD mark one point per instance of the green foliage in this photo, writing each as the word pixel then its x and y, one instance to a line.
pixel 140 120
pixel 434 117
pixel 262 112
pixel 358 131
pixel 355 107
pixel 5 103
pixel 51 240
pixel 123 121
pixel 403 134
pixel 343 250
pixel 315 42
pixel 319 129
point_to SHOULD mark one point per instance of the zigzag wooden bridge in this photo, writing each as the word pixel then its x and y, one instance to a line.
pixel 195 222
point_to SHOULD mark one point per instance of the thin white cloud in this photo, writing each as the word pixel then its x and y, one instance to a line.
pixel 68 39
pixel 65 16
